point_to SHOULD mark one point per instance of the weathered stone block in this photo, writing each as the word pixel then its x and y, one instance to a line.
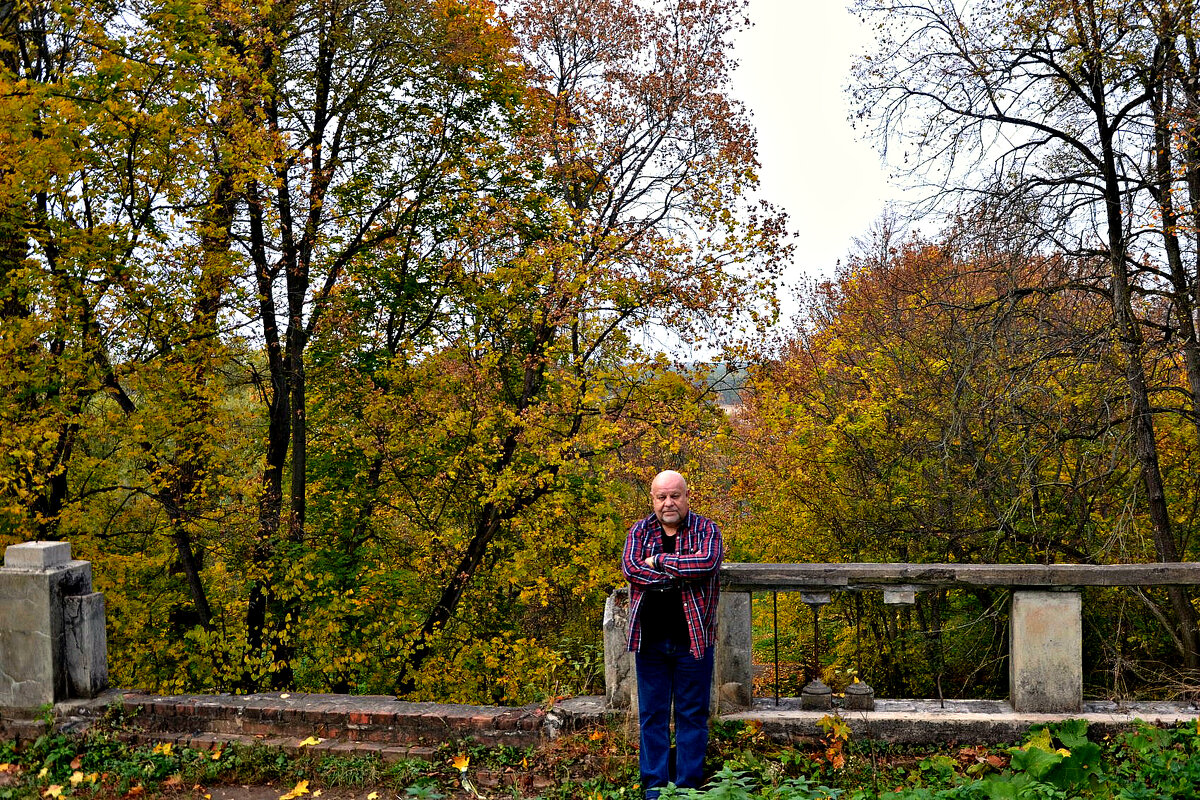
pixel 35 583
pixel 620 681
pixel 1046 652
pixel 900 596
pixel 85 644
pixel 30 640
pixel 24 600
pixel 733 672
pixel 36 555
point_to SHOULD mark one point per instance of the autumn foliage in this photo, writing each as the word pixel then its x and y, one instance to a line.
pixel 945 403
pixel 343 336
pixel 329 328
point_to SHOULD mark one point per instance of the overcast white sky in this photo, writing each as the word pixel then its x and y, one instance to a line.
pixel 795 65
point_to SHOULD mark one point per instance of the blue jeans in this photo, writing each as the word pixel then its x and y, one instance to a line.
pixel 666 672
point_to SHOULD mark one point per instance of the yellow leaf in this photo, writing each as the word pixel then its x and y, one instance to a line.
pixel 45 771
pixel 284 696
pixel 310 741
pixel 76 778
pixel 373 796
pixel 461 762
pixel 163 749
pixel 54 790
pixel 300 788
pixel 216 756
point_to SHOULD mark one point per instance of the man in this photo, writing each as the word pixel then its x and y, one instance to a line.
pixel 671 559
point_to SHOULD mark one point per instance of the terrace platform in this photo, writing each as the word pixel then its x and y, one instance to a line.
pixel 396 729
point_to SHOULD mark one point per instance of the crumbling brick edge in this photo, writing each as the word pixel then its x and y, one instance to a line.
pixel 315 724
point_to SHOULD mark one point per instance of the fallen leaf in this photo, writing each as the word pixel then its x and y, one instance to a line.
pixel 373 796
pixel 76 762
pixel 596 736
pixel 77 778
pixel 284 696
pixel 163 749
pixel 310 741
pixel 300 788
pixel 461 762
pixel 53 790
pixel 216 756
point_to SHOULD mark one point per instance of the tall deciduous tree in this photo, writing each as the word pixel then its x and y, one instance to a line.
pixel 1047 109
pixel 380 114
pixel 628 213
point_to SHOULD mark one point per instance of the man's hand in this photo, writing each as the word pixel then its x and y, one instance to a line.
pixel 650 562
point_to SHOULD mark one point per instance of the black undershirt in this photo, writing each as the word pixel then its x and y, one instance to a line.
pixel 662 611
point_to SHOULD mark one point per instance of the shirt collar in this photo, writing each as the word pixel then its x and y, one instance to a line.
pixel 686 525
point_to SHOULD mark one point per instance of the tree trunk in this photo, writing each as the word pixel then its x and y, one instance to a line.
pixel 1131 344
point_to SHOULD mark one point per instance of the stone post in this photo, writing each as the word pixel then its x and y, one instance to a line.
pixel 52 638
pixel 620 680
pixel 733 671
pixel 1045 673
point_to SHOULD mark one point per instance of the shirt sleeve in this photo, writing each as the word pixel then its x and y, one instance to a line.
pixel 704 558
pixel 633 561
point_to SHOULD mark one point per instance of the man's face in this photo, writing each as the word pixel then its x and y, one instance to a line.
pixel 670 497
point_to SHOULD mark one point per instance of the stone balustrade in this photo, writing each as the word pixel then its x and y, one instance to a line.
pixel 1046 633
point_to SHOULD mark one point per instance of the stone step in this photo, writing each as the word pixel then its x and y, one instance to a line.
pixel 375 720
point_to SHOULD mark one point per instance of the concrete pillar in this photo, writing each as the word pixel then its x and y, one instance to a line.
pixel 1045 673
pixel 733 672
pixel 620 680
pixel 85 644
pixel 35 624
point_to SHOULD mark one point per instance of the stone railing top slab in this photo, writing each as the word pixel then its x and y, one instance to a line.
pixel 858 577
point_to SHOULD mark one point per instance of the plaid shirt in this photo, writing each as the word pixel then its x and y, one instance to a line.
pixel 695 563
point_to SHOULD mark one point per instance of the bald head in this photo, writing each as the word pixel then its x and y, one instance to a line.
pixel 669 495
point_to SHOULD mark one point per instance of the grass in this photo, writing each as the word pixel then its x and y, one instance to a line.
pixel 1058 762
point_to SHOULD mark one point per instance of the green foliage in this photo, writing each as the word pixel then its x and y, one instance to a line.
pixel 1056 761
pixel 731 784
